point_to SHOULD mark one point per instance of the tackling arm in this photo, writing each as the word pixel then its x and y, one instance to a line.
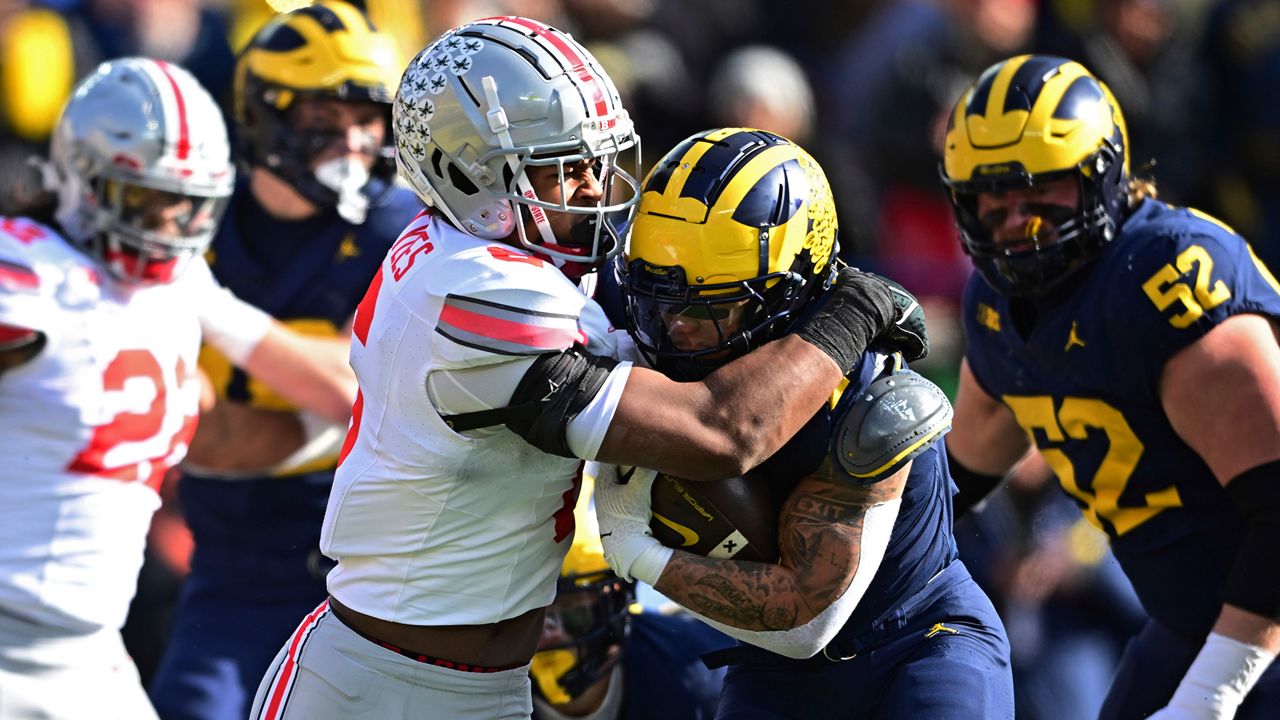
pixel 746 410
pixel 726 424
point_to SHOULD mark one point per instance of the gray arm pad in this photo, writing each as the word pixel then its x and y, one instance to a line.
pixel 891 422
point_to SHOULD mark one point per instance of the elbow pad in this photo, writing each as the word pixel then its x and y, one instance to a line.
pixel 885 426
pixel 555 389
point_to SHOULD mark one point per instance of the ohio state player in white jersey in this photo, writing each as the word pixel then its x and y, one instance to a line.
pixel 486 568
pixel 485 374
pixel 99 389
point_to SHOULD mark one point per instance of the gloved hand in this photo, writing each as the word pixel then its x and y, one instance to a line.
pixel 907 333
pixel 863 308
pixel 622 510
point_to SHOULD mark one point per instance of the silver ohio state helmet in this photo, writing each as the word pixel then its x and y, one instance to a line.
pixel 491 98
pixel 142 168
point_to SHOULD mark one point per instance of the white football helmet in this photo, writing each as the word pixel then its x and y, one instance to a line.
pixel 142 168
pixel 491 98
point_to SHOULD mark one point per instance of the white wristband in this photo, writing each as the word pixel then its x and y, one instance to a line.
pixel 649 564
pixel 233 326
pixel 1222 675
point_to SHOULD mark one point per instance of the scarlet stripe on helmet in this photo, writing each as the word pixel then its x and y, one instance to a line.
pixel 573 62
pixel 273 703
pixel 183 143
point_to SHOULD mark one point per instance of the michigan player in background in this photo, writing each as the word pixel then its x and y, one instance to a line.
pixel 307 227
pixel 869 613
pixel 1134 344
pixel 485 373
pixel 602 656
pixel 103 304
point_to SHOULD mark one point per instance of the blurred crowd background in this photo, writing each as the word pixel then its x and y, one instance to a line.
pixel 864 85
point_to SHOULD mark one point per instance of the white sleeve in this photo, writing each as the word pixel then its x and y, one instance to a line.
pixel 586 431
pixel 229 324
pixel 809 639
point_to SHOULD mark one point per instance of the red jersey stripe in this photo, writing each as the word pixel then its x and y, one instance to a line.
pixel 516 333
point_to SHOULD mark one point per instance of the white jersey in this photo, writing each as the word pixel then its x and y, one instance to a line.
pixel 428 526
pixel 89 425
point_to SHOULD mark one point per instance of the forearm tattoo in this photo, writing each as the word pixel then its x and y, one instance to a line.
pixel 820 534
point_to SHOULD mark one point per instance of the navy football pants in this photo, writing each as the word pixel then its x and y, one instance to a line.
pixel 957 672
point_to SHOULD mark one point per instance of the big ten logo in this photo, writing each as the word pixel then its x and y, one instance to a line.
pixel 407 249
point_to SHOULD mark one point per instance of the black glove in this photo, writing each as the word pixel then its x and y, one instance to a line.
pixel 907 333
pixel 863 308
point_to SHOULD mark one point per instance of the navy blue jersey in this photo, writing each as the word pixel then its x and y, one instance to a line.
pixel 309 274
pixel 1084 384
pixel 920 546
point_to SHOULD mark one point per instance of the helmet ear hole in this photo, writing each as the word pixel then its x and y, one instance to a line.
pixel 461 182
pixel 436 157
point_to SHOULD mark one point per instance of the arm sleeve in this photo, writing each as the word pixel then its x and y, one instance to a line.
pixel 228 323
pixel 810 639
pixel 586 431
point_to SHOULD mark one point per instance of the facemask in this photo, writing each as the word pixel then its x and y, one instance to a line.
pixel 346 176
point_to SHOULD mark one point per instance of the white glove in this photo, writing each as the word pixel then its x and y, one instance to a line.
pixel 623 514
pixel 1218 681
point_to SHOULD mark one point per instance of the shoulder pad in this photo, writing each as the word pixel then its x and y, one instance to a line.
pixel 890 422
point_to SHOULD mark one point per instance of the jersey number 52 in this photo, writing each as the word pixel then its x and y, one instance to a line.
pixel 1102 495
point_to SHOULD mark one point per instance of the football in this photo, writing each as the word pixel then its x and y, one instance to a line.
pixel 733 518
